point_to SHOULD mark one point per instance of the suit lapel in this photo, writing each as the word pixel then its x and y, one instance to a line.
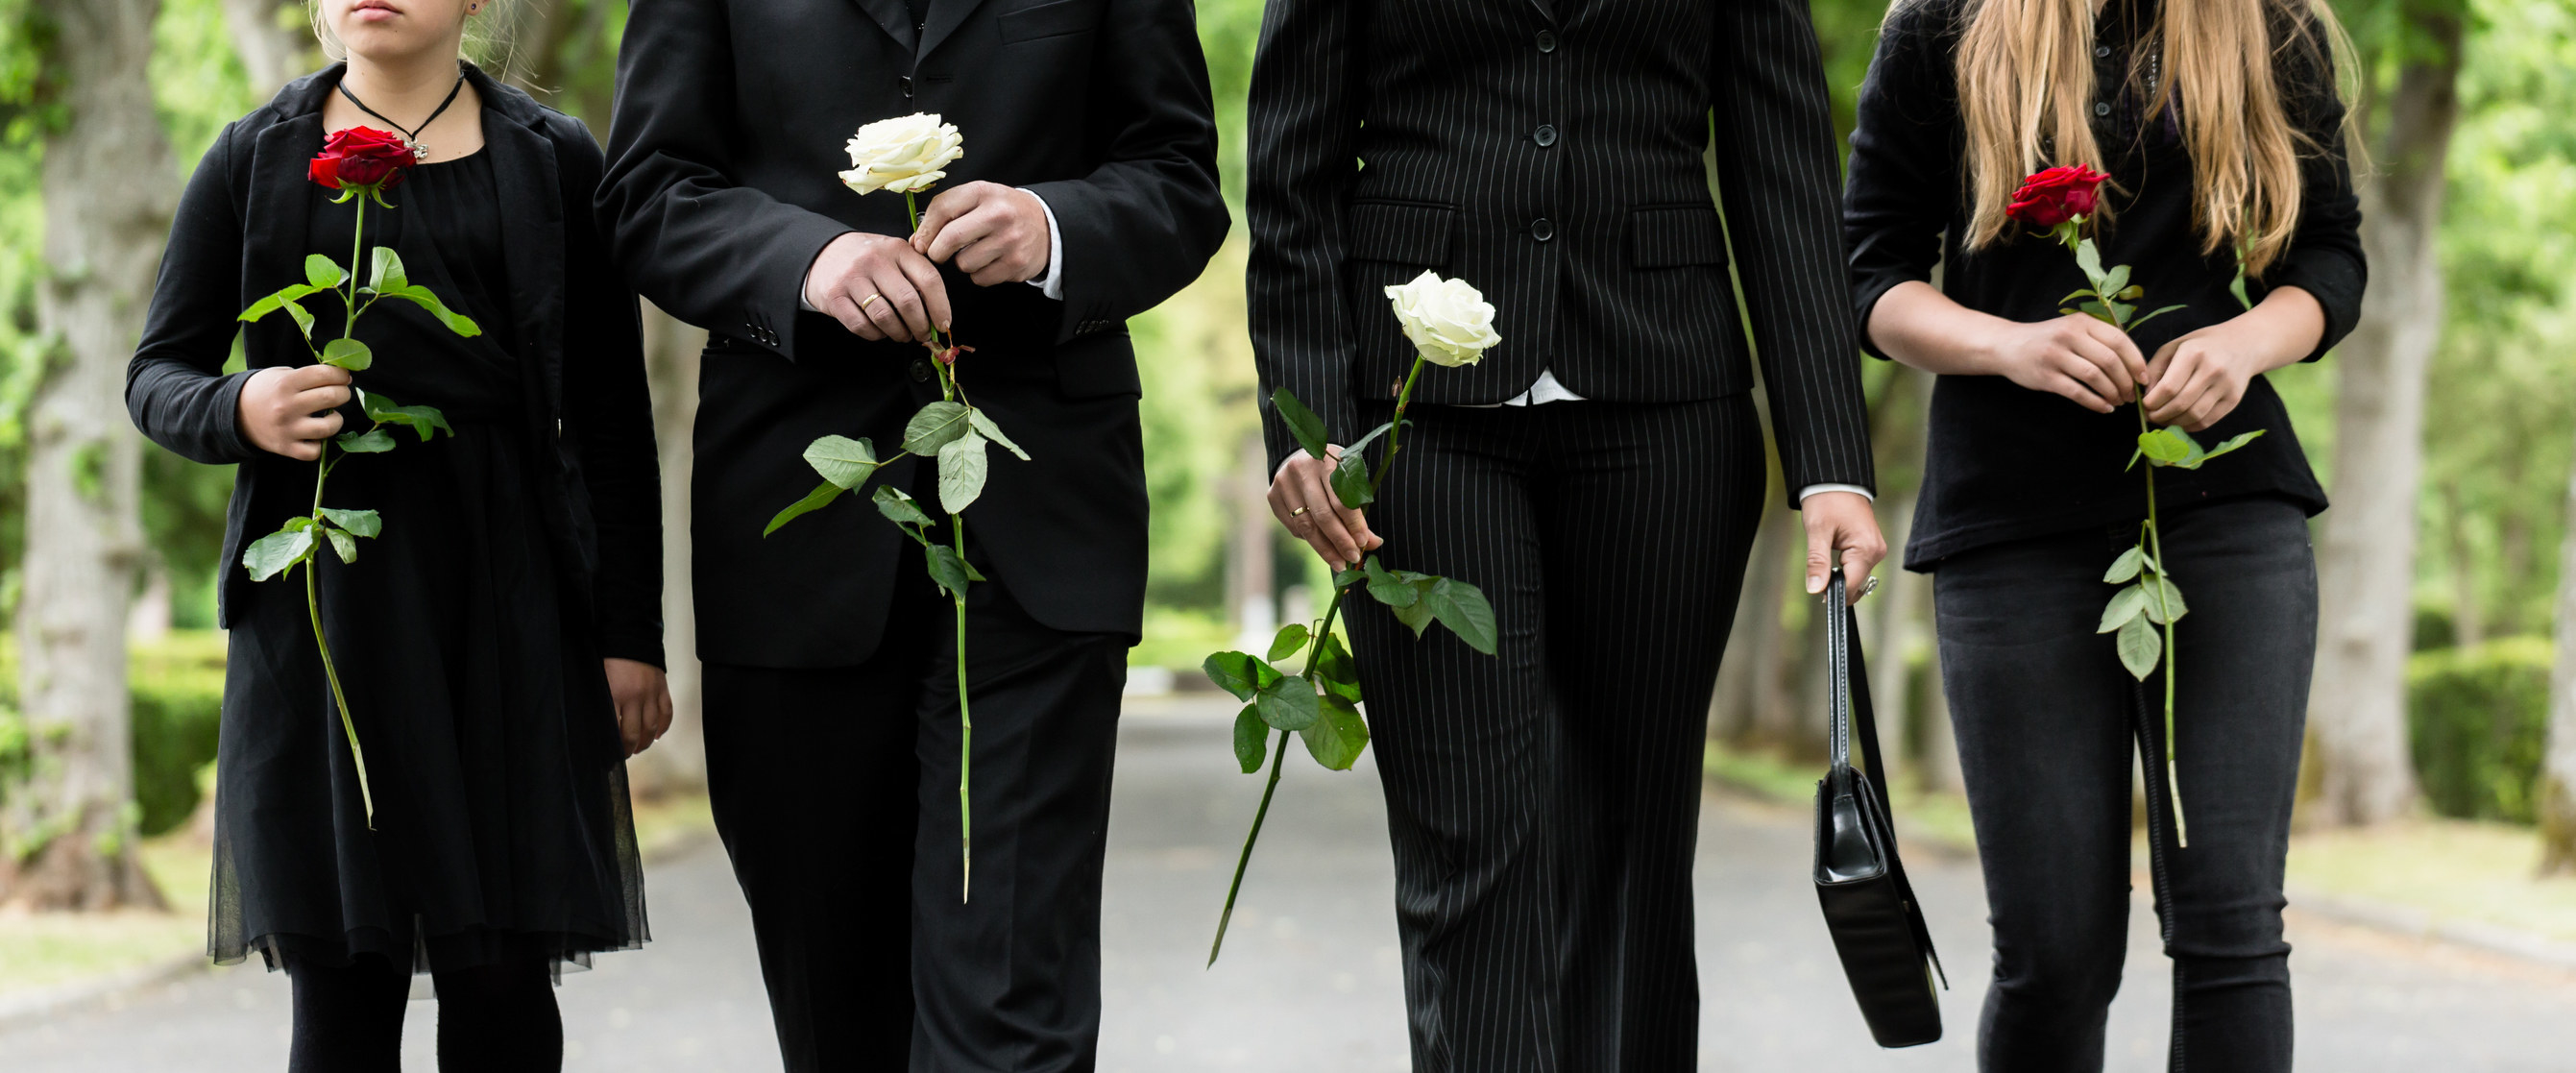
pixel 894 17
pixel 281 202
pixel 524 179
pixel 1546 9
pixel 945 17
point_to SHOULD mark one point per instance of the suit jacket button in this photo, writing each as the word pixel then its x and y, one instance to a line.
pixel 921 370
pixel 1542 229
pixel 1547 40
pixel 906 80
pixel 1545 135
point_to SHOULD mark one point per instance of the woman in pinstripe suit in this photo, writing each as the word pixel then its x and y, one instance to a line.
pixel 1599 475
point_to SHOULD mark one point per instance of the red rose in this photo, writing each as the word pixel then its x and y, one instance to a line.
pixel 362 157
pixel 2055 196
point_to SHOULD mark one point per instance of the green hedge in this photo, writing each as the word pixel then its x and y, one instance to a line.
pixel 2478 720
pixel 178 694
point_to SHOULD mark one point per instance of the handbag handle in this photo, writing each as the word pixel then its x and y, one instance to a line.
pixel 1849 669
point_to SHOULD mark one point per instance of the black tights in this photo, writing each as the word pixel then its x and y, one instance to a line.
pixel 497 1018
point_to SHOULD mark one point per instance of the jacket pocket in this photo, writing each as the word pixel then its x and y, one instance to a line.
pixel 1097 367
pixel 1402 232
pixel 1057 19
pixel 1673 236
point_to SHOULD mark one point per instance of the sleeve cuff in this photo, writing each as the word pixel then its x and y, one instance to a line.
pixel 806 281
pixel 1855 489
pixel 1051 284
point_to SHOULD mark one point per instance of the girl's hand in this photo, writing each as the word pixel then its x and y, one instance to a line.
pixel 2075 355
pixel 288 411
pixel 643 700
pixel 2199 378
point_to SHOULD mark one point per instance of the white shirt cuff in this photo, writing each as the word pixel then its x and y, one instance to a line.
pixel 1051 284
pixel 1855 489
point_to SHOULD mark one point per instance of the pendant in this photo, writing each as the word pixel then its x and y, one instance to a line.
pixel 420 153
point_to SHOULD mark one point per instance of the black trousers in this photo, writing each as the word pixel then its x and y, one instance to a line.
pixel 1544 802
pixel 835 791
pixel 2046 718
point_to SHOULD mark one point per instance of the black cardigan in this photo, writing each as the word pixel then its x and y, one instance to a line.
pixel 2007 463
pixel 239 234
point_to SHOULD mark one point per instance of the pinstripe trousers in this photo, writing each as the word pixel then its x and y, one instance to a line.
pixel 1544 803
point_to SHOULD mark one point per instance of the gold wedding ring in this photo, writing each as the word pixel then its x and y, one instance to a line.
pixel 863 302
pixel 1299 512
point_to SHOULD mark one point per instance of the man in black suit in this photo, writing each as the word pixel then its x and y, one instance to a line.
pixel 1087 194
pixel 1600 474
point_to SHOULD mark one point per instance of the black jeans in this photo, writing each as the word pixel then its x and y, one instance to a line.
pixel 2046 717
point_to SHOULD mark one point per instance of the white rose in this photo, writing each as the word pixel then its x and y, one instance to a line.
pixel 1447 320
pixel 903 154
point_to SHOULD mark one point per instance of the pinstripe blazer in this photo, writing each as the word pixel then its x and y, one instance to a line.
pixel 1550 153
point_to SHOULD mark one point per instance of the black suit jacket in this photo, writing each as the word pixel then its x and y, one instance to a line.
pixel 722 186
pixel 240 233
pixel 1550 153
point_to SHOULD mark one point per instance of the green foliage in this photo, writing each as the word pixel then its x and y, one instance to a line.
pixel 177 692
pixel 2478 721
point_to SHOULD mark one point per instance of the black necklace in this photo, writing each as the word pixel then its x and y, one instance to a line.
pixel 411 135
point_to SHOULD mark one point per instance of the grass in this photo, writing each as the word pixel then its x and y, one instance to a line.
pixel 2451 870
pixel 43 951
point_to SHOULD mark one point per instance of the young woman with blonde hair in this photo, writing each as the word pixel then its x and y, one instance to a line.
pixel 2221 127
pixel 499 641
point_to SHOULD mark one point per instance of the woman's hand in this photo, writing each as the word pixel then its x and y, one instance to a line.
pixel 643 700
pixel 1841 522
pixel 1301 495
pixel 2075 355
pixel 2201 376
pixel 288 410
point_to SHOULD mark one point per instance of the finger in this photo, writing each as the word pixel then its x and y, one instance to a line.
pixel 2122 347
pixel 845 309
pixel 1326 512
pixel 912 315
pixel 987 246
pixel 925 281
pixel 314 426
pixel 301 450
pixel 317 400
pixel 2160 365
pixel 1292 514
pixel 2174 378
pixel 2076 390
pixel 310 377
pixel 2076 367
pixel 1860 556
pixel 2192 395
pixel 1820 552
pixel 2115 373
pixel 948 206
pixel 881 312
pixel 963 226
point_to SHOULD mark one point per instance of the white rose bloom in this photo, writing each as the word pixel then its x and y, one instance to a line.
pixel 1447 320
pixel 903 154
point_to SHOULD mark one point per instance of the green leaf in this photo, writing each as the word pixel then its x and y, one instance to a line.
pixel 422 297
pixel 363 523
pixel 2133 325
pixel 2230 444
pixel 322 272
pixel 962 468
pixel 2079 292
pixel 2124 606
pixel 2126 566
pixel 1365 441
pixel 425 420
pixel 2131 293
pixel 2089 258
pixel 1462 608
pixel 2166 446
pixel 2171 609
pixel 1289 703
pixel 386 273
pixel 2115 280
pixel 348 354
pixel 2093 308
pixel 1338 735
pixel 821 497
pixel 2120 313
pixel 280 300
pixel 1292 637
pixel 843 461
pixel 1416 616
pixel 1302 422
pixel 344 544
pixel 934 426
pixel 1387 588
pixel 271 555
pixel 1343 579
pixel 1351 481
pixel 898 507
pixel 1240 673
pixel 1251 739
pixel 301 521
pixel 373 441
pixel 985 427
pixel 1332 668
pixel 2237 287
pixel 2140 647
pixel 949 570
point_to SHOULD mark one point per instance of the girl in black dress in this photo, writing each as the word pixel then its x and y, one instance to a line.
pixel 500 642
pixel 2220 125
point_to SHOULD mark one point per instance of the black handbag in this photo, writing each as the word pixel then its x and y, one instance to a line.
pixel 1870 908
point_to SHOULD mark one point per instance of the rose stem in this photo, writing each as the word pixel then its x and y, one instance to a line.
pixel 2156 544
pixel 313 564
pixel 1395 433
pixel 913 206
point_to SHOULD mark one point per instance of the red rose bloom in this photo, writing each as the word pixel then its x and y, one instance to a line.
pixel 362 157
pixel 2057 195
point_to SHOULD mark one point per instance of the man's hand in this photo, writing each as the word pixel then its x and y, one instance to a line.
pixel 878 287
pixel 287 411
pixel 1841 522
pixel 643 700
pixel 1301 494
pixel 997 233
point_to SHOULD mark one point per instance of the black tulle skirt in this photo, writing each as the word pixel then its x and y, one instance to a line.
pixel 502 827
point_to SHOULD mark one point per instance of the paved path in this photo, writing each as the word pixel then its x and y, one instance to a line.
pixel 1310 981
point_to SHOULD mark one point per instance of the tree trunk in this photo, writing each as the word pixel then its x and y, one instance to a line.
pixel 2558 767
pixel 678 763
pixel 273 39
pixel 2367 558
pixel 108 197
pixel 1752 676
pixel 1250 574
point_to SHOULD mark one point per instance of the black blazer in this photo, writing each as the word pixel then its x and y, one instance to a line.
pixel 1550 152
pixel 722 186
pixel 240 233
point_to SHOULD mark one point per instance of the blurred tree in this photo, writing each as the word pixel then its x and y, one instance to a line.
pixel 2558 766
pixel 274 40
pixel 2366 560
pixel 108 195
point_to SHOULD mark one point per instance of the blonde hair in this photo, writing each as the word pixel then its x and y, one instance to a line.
pixel 2026 87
